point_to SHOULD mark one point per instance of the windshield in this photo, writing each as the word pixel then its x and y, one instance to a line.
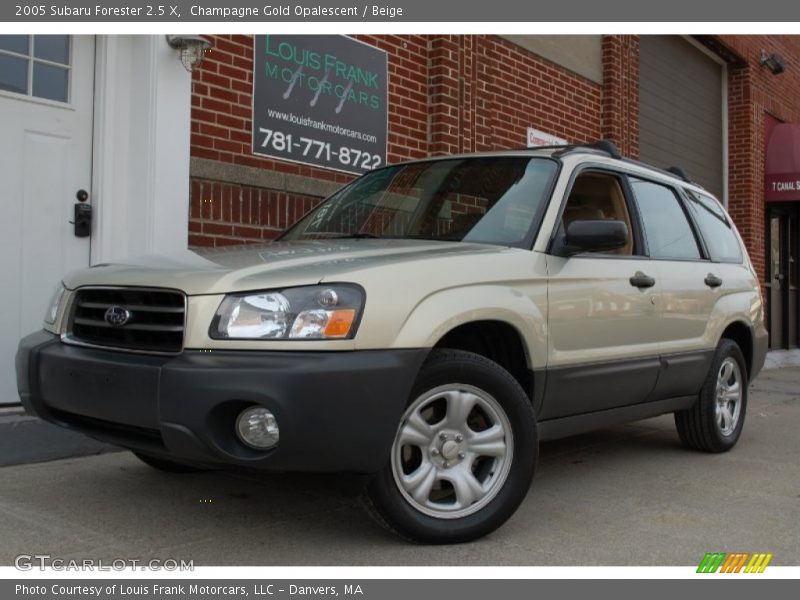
pixel 493 200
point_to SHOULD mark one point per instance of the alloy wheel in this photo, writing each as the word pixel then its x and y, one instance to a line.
pixel 452 452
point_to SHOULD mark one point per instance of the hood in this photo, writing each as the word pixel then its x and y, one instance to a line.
pixel 274 265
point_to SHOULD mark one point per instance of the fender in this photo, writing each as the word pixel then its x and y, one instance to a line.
pixel 739 307
pixel 434 316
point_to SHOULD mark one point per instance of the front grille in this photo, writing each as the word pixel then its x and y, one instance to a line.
pixel 155 323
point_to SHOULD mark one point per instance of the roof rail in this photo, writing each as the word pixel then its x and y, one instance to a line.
pixel 549 147
pixel 671 171
pixel 610 148
pixel 678 172
pixel 605 146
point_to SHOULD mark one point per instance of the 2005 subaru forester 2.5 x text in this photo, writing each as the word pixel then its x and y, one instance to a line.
pixel 427 326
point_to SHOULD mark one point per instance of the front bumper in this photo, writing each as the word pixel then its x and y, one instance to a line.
pixel 337 411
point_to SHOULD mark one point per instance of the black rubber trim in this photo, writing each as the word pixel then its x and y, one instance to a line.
pixel 588 388
pixel 682 374
pixel 558 428
pixel 337 411
pixel 137 435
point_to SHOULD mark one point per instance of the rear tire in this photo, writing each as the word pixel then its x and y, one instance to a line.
pixel 463 456
pixel 168 466
pixel 715 422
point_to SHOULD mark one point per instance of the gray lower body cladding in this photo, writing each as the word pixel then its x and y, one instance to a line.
pixel 337 411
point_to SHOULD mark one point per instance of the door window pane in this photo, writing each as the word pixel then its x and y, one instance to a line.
pixel 38 71
pixel 50 82
pixel 666 227
pixel 597 197
pixel 716 228
pixel 13 74
pixel 54 48
pixel 14 43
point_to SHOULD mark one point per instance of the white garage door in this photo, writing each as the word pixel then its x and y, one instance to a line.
pixel 681 114
pixel 46 111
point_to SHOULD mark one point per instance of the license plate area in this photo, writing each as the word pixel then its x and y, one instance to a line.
pixel 101 385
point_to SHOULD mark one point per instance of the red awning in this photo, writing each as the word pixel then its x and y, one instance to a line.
pixel 782 168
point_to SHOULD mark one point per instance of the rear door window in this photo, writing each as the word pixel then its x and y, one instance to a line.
pixel 666 227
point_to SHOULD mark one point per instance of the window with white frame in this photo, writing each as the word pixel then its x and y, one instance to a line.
pixel 36 65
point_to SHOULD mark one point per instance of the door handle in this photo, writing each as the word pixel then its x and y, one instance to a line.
pixel 712 281
pixel 83 215
pixel 641 281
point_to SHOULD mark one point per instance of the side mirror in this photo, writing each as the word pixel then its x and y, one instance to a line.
pixel 594 236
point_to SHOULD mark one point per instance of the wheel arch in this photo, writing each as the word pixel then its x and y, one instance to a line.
pixel 498 341
pixel 741 333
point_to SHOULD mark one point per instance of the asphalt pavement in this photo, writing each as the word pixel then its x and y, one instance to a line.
pixel 628 495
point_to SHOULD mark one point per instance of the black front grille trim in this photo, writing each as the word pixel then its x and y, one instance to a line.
pixel 156 326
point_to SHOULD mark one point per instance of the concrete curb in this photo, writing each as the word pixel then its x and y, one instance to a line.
pixel 25 439
pixel 779 359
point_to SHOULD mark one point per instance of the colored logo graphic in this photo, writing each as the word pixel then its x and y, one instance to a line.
pixel 737 562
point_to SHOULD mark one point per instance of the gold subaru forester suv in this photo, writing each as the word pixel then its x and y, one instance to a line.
pixel 426 326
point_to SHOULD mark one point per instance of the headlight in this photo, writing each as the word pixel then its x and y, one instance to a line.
pixel 311 313
pixel 52 308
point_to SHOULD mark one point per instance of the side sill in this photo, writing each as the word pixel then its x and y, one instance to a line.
pixel 554 429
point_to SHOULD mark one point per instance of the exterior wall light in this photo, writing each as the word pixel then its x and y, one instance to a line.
pixel 774 62
pixel 192 49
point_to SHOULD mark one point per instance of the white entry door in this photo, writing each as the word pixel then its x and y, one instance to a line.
pixel 46 113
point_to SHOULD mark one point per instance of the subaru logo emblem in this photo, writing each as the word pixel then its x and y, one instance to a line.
pixel 117 316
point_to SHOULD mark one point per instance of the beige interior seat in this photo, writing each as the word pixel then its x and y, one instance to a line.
pixel 582 213
pixel 597 196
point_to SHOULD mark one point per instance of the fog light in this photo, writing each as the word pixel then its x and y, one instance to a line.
pixel 257 428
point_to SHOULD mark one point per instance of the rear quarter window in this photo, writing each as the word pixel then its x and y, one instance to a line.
pixel 715 227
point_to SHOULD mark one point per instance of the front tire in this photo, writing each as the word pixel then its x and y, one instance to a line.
pixel 715 422
pixel 463 456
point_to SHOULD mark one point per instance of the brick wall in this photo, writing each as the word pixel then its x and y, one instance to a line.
pixel 754 91
pixel 621 92
pixel 452 93
pixel 225 214
pixel 447 94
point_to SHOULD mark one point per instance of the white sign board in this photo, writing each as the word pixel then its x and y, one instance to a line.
pixel 541 138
